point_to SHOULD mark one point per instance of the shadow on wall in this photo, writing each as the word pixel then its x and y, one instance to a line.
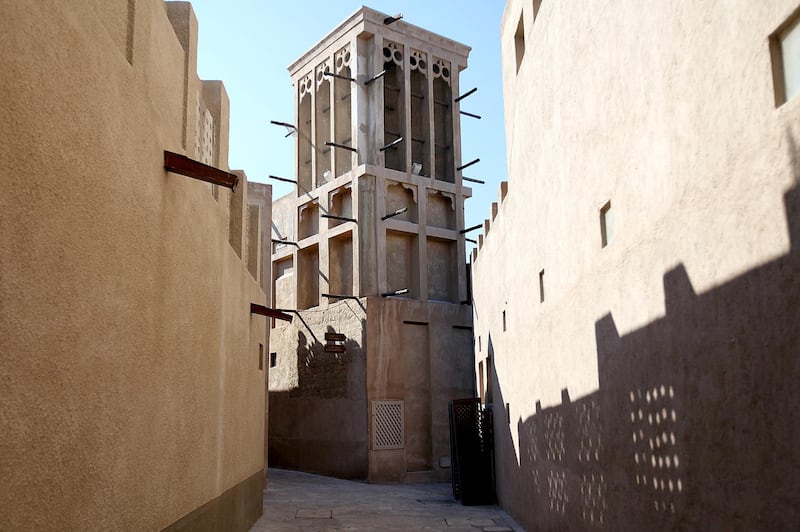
pixel 322 374
pixel 695 425
pixel 319 426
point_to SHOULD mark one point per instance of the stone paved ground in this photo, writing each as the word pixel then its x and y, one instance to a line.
pixel 304 502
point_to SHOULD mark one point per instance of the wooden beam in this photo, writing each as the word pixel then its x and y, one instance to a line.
pixel 180 164
pixel 342 218
pixel 474 161
pixel 468 229
pixel 268 312
pixel 335 348
pixel 466 94
pixel 342 146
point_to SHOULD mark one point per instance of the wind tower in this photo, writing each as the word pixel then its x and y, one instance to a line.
pixel 369 246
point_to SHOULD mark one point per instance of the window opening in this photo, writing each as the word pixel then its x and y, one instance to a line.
pixel 606 226
pixel 541 286
pixel 785 47
pixel 519 40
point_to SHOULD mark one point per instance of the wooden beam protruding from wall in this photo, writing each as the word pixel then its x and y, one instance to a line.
pixel 181 164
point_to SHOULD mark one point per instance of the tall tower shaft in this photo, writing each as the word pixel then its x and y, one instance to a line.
pixel 378 131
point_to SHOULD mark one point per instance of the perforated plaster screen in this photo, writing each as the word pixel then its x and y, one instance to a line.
pixel 387 424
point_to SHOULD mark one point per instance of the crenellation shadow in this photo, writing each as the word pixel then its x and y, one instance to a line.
pixel 694 426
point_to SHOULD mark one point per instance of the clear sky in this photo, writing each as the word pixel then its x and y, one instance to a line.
pixel 248 44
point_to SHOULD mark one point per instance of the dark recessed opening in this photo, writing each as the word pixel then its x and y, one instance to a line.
pixel 784 46
pixel 541 286
pixel 606 227
pixel 519 40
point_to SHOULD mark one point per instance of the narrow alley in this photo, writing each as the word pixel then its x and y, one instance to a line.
pixel 301 501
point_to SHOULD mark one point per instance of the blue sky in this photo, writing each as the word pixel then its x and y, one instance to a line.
pixel 248 44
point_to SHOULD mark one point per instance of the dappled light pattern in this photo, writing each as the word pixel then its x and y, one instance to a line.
pixel 654 421
pixel 593 498
pixel 589 441
pixel 554 436
pixel 693 424
pixel 589 452
pixel 557 491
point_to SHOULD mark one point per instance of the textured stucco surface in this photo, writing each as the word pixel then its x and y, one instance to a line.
pixel 419 352
pixel 318 399
pixel 667 110
pixel 130 393
pixel 320 417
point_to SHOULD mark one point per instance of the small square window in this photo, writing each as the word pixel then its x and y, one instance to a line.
pixel 273 360
pixel 606 225
pixel 785 48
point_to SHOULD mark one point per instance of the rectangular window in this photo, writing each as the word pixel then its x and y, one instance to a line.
pixel 479 343
pixel 489 372
pixel 541 286
pixel 261 356
pixel 273 360
pixel 785 48
pixel 519 40
pixel 504 321
pixel 481 389
pixel 606 227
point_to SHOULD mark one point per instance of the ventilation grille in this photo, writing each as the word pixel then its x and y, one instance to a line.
pixel 387 424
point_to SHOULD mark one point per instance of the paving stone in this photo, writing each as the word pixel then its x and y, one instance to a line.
pixel 497 529
pixel 301 502
pixel 313 513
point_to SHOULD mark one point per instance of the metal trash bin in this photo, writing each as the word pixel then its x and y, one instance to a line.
pixel 472 452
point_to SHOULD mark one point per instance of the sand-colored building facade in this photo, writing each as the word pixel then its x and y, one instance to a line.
pixel 132 393
pixel 369 246
pixel 636 285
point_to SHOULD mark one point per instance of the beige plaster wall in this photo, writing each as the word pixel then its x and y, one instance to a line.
pixel 667 110
pixel 260 195
pixel 320 403
pixel 420 353
pixel 131 390
pixel 317 399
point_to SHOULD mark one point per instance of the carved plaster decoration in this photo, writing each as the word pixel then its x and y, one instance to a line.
pixel 419 61
pixel 304 85
pixel 412 188
pixel 441 69
pixel 198 128
pixel 342 59
pixel 306 206
pixel 339 190
pixel 393 52
pixel 325 66
pixel 445 195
